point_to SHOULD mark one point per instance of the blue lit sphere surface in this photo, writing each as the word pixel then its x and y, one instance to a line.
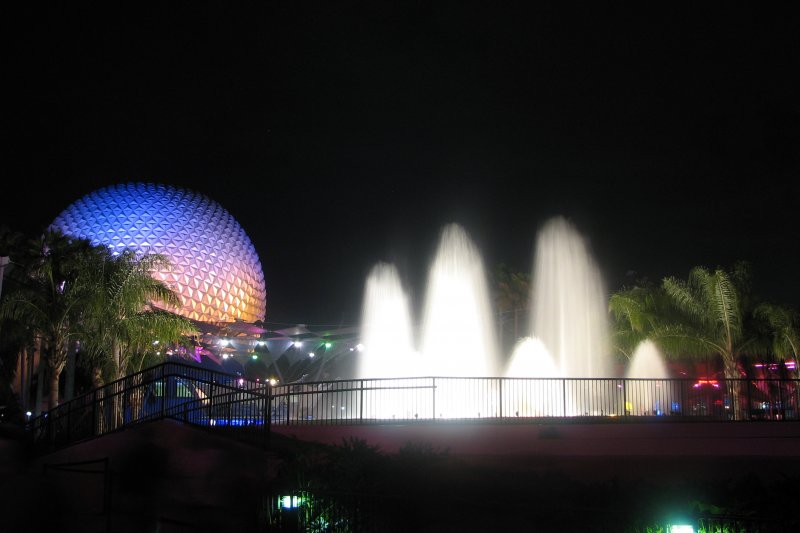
pixel 214 267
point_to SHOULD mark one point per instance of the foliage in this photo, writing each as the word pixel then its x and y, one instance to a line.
pixel 511 292
pixel 50 295
pixel 66 289
pixel 711 313
pixel 783 331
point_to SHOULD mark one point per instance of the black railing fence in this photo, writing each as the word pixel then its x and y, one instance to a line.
pixel 196 396
pixel 443 398
pixel 246 409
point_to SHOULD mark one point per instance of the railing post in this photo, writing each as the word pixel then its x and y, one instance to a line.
pixel 268 413
pixel 749 401
pixel 95 423
pixel 433 389
pixel 288 403
pixel 500 388
pixel 361 404
pixel 564 396
pixel 625 396
pixel 212 391
pixel 780 401
pixel 163 391
pixel 163 397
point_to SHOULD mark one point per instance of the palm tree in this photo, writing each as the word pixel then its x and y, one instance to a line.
pixel 783 325
pixel 707 314
pixel 714 304
pixel 639 313
pixel 50 297
pixel 121 322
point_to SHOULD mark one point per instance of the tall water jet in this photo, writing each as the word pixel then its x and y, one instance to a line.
pixel 386 327
pixel 458 333
pixel 569 303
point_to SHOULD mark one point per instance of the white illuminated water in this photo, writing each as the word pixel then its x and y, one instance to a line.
pixel 569 338
pixel 386 329
pixel 651 396
pixel 530 359
pixel 458 326
pixel 569 314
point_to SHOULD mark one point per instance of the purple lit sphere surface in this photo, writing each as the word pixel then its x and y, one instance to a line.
pixel 214 267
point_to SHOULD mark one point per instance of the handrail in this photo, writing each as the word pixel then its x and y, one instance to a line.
pixel 238 406
pixel 169 390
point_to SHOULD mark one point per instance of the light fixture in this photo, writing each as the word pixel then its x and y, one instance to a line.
pixel 311 354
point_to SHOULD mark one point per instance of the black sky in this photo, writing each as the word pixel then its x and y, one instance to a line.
pixel 341 134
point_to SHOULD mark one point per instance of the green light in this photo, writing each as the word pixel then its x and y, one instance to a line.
pixel 255 356
pixel 290 502
pixel 681 529
pixel 328 345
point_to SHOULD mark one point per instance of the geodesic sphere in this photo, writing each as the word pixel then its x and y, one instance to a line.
pixel 214 266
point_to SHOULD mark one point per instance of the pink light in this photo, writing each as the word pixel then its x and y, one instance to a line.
pixel 700 382
pixel 197 354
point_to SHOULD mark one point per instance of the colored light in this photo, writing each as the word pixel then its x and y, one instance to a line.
pixel 290 502
pixel 203 242
pixel 255 356
pixel 682 528
pixel 328 345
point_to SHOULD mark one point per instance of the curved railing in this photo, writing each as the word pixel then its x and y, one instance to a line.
pixel 244 409
pixel 190 394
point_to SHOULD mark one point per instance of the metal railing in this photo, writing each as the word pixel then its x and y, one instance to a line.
pixel 449 398
pixel 246 409
pixel 193 395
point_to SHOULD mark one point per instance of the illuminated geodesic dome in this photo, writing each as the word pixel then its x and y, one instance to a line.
pixel 214 266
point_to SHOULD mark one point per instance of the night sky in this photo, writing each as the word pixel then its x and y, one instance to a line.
pixel 340 134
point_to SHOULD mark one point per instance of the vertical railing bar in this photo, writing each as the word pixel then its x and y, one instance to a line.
pixel 500 387
pixel 625 396
pixel 433 396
